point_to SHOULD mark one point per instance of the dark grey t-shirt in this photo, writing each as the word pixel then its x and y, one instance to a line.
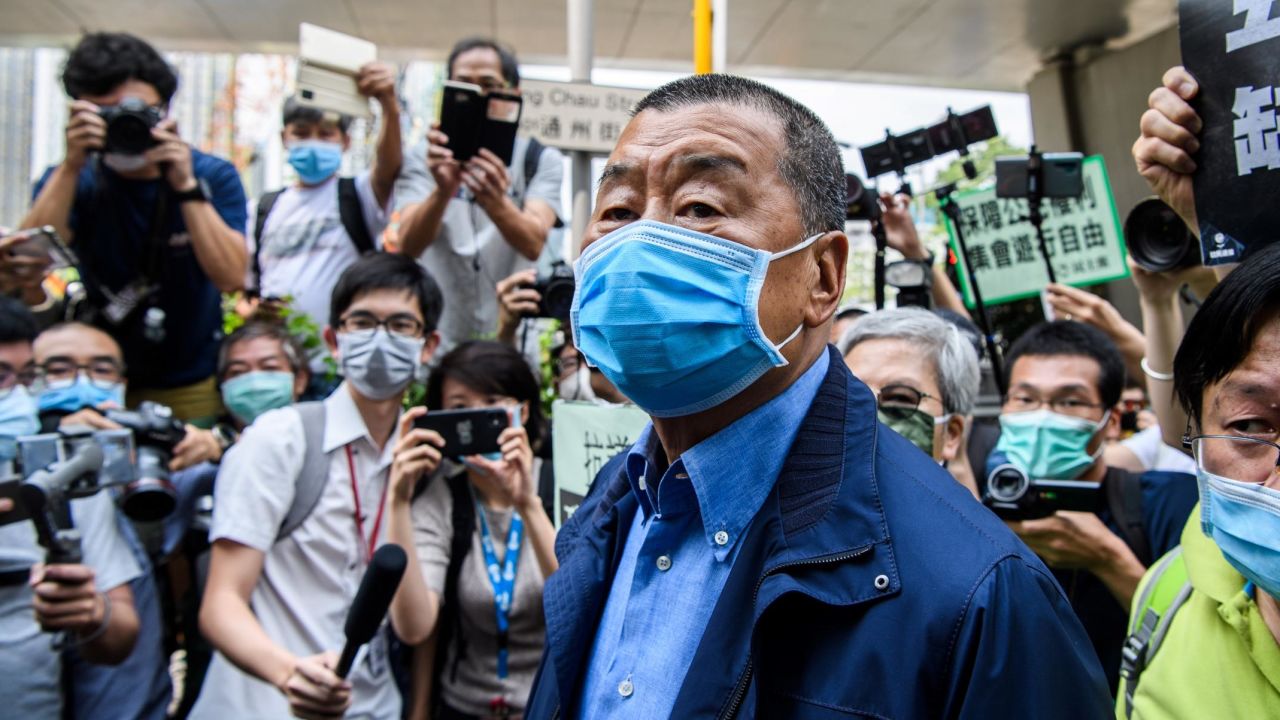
pixel 477 681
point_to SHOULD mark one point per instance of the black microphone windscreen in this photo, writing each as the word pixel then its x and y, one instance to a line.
pixel 376 590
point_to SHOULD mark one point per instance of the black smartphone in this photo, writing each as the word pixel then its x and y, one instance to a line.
pixel 9 491
pixel 1062 176
pixel 502 119
pixel 467 432
pixel 463 110
pixel 43 247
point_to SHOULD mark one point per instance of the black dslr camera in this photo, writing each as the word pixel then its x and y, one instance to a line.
pixel 129 126
pixel 556 289
pixel 1014 495
pixel 151 496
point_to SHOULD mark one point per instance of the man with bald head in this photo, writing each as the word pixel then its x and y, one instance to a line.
pixel 767 548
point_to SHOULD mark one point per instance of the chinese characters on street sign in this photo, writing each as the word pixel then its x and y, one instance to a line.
pixel 576 116
pixel 1082 236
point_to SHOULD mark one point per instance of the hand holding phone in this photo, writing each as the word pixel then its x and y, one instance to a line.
pixel 467 432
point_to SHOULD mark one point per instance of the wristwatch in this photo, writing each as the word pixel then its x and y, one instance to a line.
pixel 199 193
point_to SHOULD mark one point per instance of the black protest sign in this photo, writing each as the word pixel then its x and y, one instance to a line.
pixel 1232 49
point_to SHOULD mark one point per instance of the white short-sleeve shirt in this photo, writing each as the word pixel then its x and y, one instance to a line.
pixel 310 577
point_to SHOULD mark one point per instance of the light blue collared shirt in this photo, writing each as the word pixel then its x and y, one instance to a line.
pixel 680 549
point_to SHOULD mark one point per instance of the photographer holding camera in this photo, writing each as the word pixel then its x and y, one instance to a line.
pixel 90 601
pixel 158 225
pixel 473 224
pixel 1065 379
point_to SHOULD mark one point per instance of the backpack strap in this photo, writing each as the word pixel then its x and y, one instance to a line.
pixel 265 203
pixel 1167 589
pixel 309 484
pixel 1124 498
pixel 352 215
pixel 450 626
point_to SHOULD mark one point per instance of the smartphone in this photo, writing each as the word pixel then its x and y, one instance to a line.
pixel 463 111
pixel 328 62
pixel 467 432
pixel 43 248
pixel 1062 176
pixel 502 119
pixel 9 490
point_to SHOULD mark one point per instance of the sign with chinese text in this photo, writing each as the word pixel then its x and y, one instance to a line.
pixel 1230 48
pixel 576 116
pixel 584 437
pixel 1082 236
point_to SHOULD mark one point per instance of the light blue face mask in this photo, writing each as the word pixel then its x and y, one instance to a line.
pixel 315 160
pixel 70 396
pixel 17 418
pixel 248 396
pixel 1244 521
pixel 671 316
pixel 1048 445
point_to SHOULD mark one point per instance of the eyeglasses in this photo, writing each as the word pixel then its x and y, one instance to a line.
pixel 399 324
pixel 1021 402
pixel 569 364
pixel 99 372
pixel 1235 457
pixel 897 395
pixel 9 378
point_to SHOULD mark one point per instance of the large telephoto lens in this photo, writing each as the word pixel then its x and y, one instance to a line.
pixel 1157 238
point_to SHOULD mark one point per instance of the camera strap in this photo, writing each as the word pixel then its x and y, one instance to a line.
pixel 1124 500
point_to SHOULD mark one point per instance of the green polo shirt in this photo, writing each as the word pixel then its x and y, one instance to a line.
pixel 1219 659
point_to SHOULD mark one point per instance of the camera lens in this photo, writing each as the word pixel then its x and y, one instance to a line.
pixel 1007 484
pixel 559 299
pixel 149 499
pixel 128 133
pixel 1157 238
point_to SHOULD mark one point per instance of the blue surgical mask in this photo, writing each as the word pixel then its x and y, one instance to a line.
pixel 671 316
pixel 70 396
pixel 315 160
pixel 1048 445
pixel 248 396
pixel 1244 521
pixel 17 418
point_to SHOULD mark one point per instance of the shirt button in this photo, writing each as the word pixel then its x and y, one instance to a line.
pixel 722 538
pixel 664 562
pixel 625 688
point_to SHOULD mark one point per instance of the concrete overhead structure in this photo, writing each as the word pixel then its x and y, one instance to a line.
pixel 1087 65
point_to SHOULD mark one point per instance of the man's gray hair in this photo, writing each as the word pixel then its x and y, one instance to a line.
pixel 810 163
pixel 953 358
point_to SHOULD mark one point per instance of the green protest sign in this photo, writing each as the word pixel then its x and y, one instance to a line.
pixel 1083 236
pixel 584 437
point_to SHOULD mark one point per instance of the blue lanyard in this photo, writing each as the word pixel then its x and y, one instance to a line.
pixel 502 578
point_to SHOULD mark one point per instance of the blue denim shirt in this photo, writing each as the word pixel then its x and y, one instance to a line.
pixel 680 549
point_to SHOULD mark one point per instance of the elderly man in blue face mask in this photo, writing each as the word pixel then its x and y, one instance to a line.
pixel 767 548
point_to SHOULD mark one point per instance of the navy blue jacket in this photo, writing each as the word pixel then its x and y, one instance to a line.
pixel 870 584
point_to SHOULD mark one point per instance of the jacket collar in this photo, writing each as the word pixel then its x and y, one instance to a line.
pixel 824 512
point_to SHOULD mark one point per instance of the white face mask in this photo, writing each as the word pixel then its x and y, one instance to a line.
pixel 124 163
pixel 577 386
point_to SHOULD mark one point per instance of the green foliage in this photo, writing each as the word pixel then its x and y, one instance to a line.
pixel 547 366
pixel 299 324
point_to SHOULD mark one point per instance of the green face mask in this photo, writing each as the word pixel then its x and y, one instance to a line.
pixel 913 424
pixel 248 396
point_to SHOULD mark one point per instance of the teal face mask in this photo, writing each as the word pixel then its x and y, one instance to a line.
pixel 248 396
pixel 1048 445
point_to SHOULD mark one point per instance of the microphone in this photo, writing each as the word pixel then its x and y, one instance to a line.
pixel 372 600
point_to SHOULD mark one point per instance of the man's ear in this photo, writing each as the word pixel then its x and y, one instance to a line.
pixel 953 437
pixel 429 347
pixel 300 380
pixel 832 250
pixel 346 141
pixel 331 341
